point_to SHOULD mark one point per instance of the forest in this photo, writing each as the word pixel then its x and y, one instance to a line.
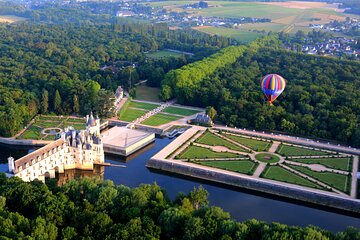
pixel 94 209
pixel 321 99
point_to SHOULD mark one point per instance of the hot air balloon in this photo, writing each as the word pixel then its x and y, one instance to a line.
pixel 272 85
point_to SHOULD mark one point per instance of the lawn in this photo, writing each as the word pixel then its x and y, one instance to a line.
pixel 159 119
pixel 211 139
pixel 242 166
pixel 194 152
pixel 257 145
pixel 180 111
pixel 147 93
pixel 280 174
pixel 344 164
pixel 239 35
pixel 130 115
pixel 287 150
pixel 267 157
pixel 32 132
pixel 338 181
pixel 163 54
pixel 143 105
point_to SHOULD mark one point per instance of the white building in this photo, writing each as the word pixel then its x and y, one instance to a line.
pixel 119 94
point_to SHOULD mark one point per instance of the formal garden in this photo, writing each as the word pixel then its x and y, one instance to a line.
pixel 271 160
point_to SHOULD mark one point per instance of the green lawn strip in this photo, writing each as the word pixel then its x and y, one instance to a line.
pixel 143 105
pixel 211 139
pixel 194 152
pixel 32 132
pixel 159 119
pixel 147 93
pixel 336 163
pixel 336 180
pixel 241 166
pixel 257 145
pixel 76 120
pixel 49 138
pixel 50 118
pixel 180 111
pixel 280 174
pixel 130 115
pixel 287 150
pixel 163 54
pixel 47 124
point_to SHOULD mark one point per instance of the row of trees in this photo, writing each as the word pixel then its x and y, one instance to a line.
pixel 95 209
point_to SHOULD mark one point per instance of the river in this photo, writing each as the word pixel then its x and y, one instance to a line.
pixel 241 204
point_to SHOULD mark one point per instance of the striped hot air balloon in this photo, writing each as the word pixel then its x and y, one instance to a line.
pixel 272 85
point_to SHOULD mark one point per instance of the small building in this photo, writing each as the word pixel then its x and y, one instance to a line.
pixel 119 94
pixel 202 119
pixel 124 14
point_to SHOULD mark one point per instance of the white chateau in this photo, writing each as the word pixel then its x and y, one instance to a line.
pixel 73 150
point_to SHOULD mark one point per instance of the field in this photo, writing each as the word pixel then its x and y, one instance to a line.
pixel 242 166
pixel 180 111
pixel 130 115
pixel 338 181
pixel 43 122
pixel 211 139
pixel 287 150
pixel 243 36
pixel 257 145
pixel 194 152
pixel 285 16
pixel 147 93
pixel 10 19
pixel 280 174
pixel 163 54
pixel 344 164
pixel 159 119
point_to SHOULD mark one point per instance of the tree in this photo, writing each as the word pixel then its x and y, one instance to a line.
pixel 44 101
pixel 76 105
pixel 211 112
pixel 57 102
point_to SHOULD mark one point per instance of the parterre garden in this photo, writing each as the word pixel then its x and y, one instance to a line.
pixel 282 162
pixel 35 130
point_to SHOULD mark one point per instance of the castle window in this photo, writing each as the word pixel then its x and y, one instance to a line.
pixel 27 165
pixel 20 168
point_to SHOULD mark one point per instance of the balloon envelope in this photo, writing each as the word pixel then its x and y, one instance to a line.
pixel 272 85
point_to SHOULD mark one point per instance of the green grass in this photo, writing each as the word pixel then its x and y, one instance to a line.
pixel 194 152
pixel 130 115
pixel 143 105
pixel 163 54
pixel 211 139
pixel 338 181
pixel 159 119
pixel 180 111
pixel 237 34
pixel 32 132
pixel 280 174
pixel 287 150
pixel 262 157
pixel 148 93
pixel 344 164
pixel 242 166
pixel 257 145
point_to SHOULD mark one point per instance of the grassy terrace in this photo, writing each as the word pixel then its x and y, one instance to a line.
pixel 280 174
pixel 163 54
pixel 180 111
pixel 287 150
pixel 130 115
pixel 338 181
pixel 143 105
pixel 344 164
pixel 257 145
pixel 194 152
pixel 147 93
pixel 211 139
pixel 159 119
pixel 242 166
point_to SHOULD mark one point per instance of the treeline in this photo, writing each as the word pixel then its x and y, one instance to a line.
pixel 94 209
pixel 181 83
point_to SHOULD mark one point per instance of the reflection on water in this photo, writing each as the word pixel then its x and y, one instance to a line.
pixel 69 174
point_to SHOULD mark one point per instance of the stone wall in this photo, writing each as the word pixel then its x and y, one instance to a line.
pixel 347 204
pixel 24 142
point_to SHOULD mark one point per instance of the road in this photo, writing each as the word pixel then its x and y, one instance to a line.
pixel 296 140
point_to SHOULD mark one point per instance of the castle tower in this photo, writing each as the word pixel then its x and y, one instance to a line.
pixel 92 125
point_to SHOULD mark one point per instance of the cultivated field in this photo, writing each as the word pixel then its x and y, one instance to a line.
pixel 10 19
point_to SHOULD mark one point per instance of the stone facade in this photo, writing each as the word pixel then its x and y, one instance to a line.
pixel 73 150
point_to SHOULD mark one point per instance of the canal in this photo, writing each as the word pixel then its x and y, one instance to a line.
pixel 241 204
